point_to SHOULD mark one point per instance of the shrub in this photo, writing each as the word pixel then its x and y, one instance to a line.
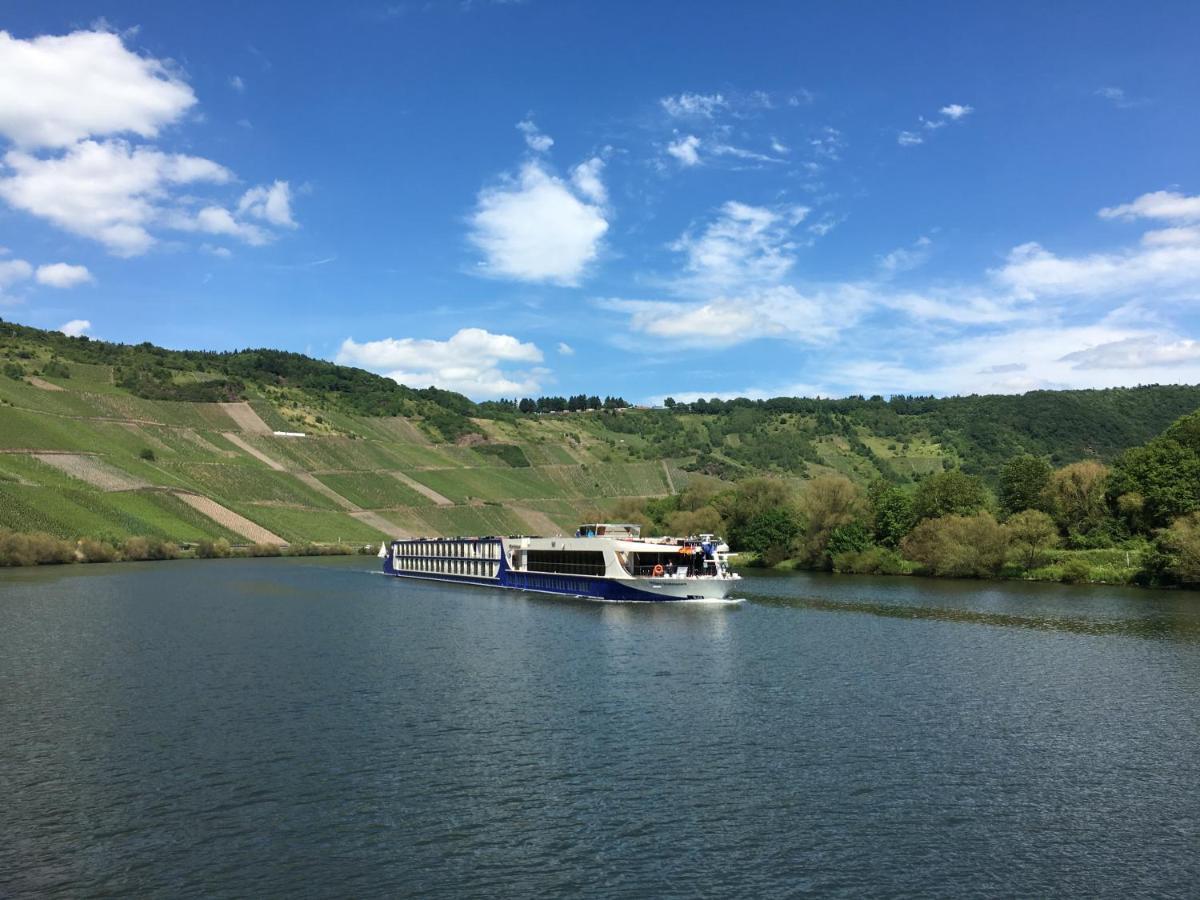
pixel 1075 571
pixel 958 546
pixel 146 454
pixel 1031 532
pixel 264 550
pixel 218 549
pixel 1179 547
pixel 15 371
pixel 36 549
pixel 141 548
pixel 91 551
pixel 56 368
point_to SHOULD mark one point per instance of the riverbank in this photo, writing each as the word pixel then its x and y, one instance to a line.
pixel 1111 566
pixel 40 549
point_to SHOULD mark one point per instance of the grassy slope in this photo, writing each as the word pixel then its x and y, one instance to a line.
pixel 579 465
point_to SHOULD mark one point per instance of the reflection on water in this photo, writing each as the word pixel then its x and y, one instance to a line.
pixel 1093 609
pixel 306 727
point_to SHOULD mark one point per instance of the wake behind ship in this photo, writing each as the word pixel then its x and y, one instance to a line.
pixel 602 561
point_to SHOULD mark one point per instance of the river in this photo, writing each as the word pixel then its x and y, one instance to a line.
pixel 310 728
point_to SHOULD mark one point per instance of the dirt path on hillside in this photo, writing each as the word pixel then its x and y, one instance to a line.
pixel 321 488
pixel 252 450
pixel 44 384
pixel 391 529
pixel 539 522
pixel 93 470
pixel 246 418
pixel 667 472
pixel 422 489
pixel 227 518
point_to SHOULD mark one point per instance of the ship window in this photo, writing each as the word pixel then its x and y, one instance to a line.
pixel 567 562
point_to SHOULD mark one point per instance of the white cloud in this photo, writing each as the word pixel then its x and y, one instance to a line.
pixel 534 139
pixel 75 328
pixel 909 139
pixel 1118 97
pixel 57 90
pixel 235 82
pixel 586 178
pixel 109 192
pixel 904 259
pixel 270 204
pixel 1141 352
pixel 744 244
pixel 63 275
pixel 565 349
pixel 779 147
pixel 14 270
pixel 1033 271
pixel 219 220
pixel 685 149
pixel 956 111
pixel 1167 205
pixel 471 361
pixel 779 311
pixel 688 105
pixel 535 228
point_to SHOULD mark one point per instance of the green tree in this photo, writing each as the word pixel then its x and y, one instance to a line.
pixel 827 503
pixel 1031 533
pixel 1179 549
pixel 770 533
pixel 1075 496
pixel 958 546
pixel 752 498
pixel 952 493
pixel 1023 481
pixel 1165 475
pixel 891 513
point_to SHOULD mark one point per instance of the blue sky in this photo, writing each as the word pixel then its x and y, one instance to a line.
pixel 710 199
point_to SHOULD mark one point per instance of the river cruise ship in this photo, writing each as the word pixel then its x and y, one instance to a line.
pixel 603 561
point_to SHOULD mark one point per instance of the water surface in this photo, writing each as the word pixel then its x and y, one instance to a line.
pixel 307 727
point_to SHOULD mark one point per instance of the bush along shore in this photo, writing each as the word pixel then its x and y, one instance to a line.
pixel 40 549
pixel 1134 522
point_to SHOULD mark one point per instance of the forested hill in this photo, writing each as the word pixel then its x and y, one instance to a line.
pixel 102 437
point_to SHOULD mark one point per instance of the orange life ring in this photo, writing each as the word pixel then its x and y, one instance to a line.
pixel 658 570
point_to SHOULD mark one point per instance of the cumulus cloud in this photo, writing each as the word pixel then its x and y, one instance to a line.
pixel 1033 271
pixel 909 139
pixel 63 275
pixel 686 105
pixel 14 270
pixel 565 349
pixel 64 100
pixel 956 111
pixel 270 204
pixel 76 327
pixel 110 192
pixel 472 361
pixel 586 178
pixel 1169 206
pixel 235 82
pixel 537 227
pixel 534 139
pixel 57 90
pixel 686 150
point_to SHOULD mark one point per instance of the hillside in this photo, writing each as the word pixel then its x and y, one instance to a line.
pixel 107 440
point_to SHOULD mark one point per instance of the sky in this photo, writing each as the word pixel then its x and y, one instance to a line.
pixel 640 199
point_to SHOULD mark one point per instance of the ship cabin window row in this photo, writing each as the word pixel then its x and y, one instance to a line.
pixel 479 559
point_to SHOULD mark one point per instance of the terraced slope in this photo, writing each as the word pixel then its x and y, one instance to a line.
pixel 79 458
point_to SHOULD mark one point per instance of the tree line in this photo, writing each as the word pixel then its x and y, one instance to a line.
pixel 952 523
